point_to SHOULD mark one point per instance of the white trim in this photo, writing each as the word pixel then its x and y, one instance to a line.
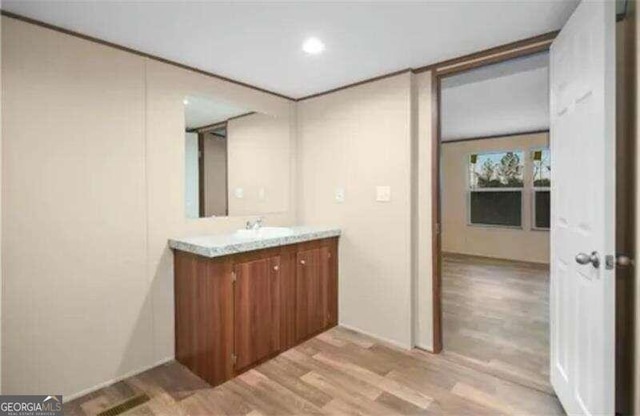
pixel 369 334
pixel 496 189
pixel 68 398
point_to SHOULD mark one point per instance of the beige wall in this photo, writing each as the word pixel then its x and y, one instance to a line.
pixel 457 235
pixel 379 133
pixel 73 212
pixel 357 139
pixel 215 175
pixel 259 153
pixel 93 186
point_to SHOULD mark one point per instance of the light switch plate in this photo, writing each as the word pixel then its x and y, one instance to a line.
pixel 340 195
pixel 238 192
pixel 383 193
pixel 261 194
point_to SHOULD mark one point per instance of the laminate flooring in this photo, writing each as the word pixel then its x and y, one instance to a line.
pixel 496 318
pixel 339 372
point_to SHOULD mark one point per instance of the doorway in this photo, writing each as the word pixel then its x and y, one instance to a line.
pixel 588 268
pixel 494 188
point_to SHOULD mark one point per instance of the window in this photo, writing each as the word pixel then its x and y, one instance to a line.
pixel 495 188
pixel 541 189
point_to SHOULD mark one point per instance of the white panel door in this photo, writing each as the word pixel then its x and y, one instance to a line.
pixel 582 82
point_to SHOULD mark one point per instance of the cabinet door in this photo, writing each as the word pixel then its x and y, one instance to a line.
pixel 257 311
pixel 204 316
pixel 288 298
pixel 310 293
pixel 329 281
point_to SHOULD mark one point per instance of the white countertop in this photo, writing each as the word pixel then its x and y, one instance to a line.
pixel 218 245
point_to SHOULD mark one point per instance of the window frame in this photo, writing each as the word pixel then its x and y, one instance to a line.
pixel 511 189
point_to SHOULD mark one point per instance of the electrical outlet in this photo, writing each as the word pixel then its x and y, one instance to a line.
pixel 383 193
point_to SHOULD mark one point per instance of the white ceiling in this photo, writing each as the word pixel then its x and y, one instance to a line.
pixel 260 42
pixel 202 111
pixel 498 99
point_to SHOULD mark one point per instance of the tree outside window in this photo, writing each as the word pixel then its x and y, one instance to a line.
pixel 495 195
pixel 541 189
pixel 497 170
pixel 542 168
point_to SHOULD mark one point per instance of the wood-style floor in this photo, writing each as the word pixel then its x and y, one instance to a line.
pixel 337 372
pixel 496 317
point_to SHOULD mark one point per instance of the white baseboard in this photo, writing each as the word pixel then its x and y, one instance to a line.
pixel 68 398
pixel 369 334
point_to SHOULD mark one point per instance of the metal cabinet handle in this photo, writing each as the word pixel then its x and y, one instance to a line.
pixel 584 259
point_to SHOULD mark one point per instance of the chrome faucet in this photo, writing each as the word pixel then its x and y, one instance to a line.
pixel 255 225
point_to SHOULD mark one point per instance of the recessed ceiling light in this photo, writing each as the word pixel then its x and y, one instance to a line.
pixel 313 46
pixel 185 101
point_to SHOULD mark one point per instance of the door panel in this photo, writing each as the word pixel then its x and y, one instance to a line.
pixel 309 290
pixel 324 277
pixel 257 311
pixel 204 316
pixel 582 68
pixel 287 299
pixel 331 253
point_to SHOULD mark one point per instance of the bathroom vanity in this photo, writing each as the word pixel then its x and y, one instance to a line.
pixel 244 297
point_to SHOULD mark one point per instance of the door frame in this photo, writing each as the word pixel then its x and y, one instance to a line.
pixel 499 54
pixel 625 177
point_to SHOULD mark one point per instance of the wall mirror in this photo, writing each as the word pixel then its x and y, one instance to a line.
pixel 237 161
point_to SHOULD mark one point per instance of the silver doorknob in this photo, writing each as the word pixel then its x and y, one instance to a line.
pixel 303 262
pixel 593 259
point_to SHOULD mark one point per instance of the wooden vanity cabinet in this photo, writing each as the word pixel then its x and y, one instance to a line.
pixel 237 311
pixel 203 291
pixel 256 310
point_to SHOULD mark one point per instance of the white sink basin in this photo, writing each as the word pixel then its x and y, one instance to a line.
pixel 264 232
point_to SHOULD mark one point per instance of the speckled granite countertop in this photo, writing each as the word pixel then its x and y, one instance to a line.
pixel 219 245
